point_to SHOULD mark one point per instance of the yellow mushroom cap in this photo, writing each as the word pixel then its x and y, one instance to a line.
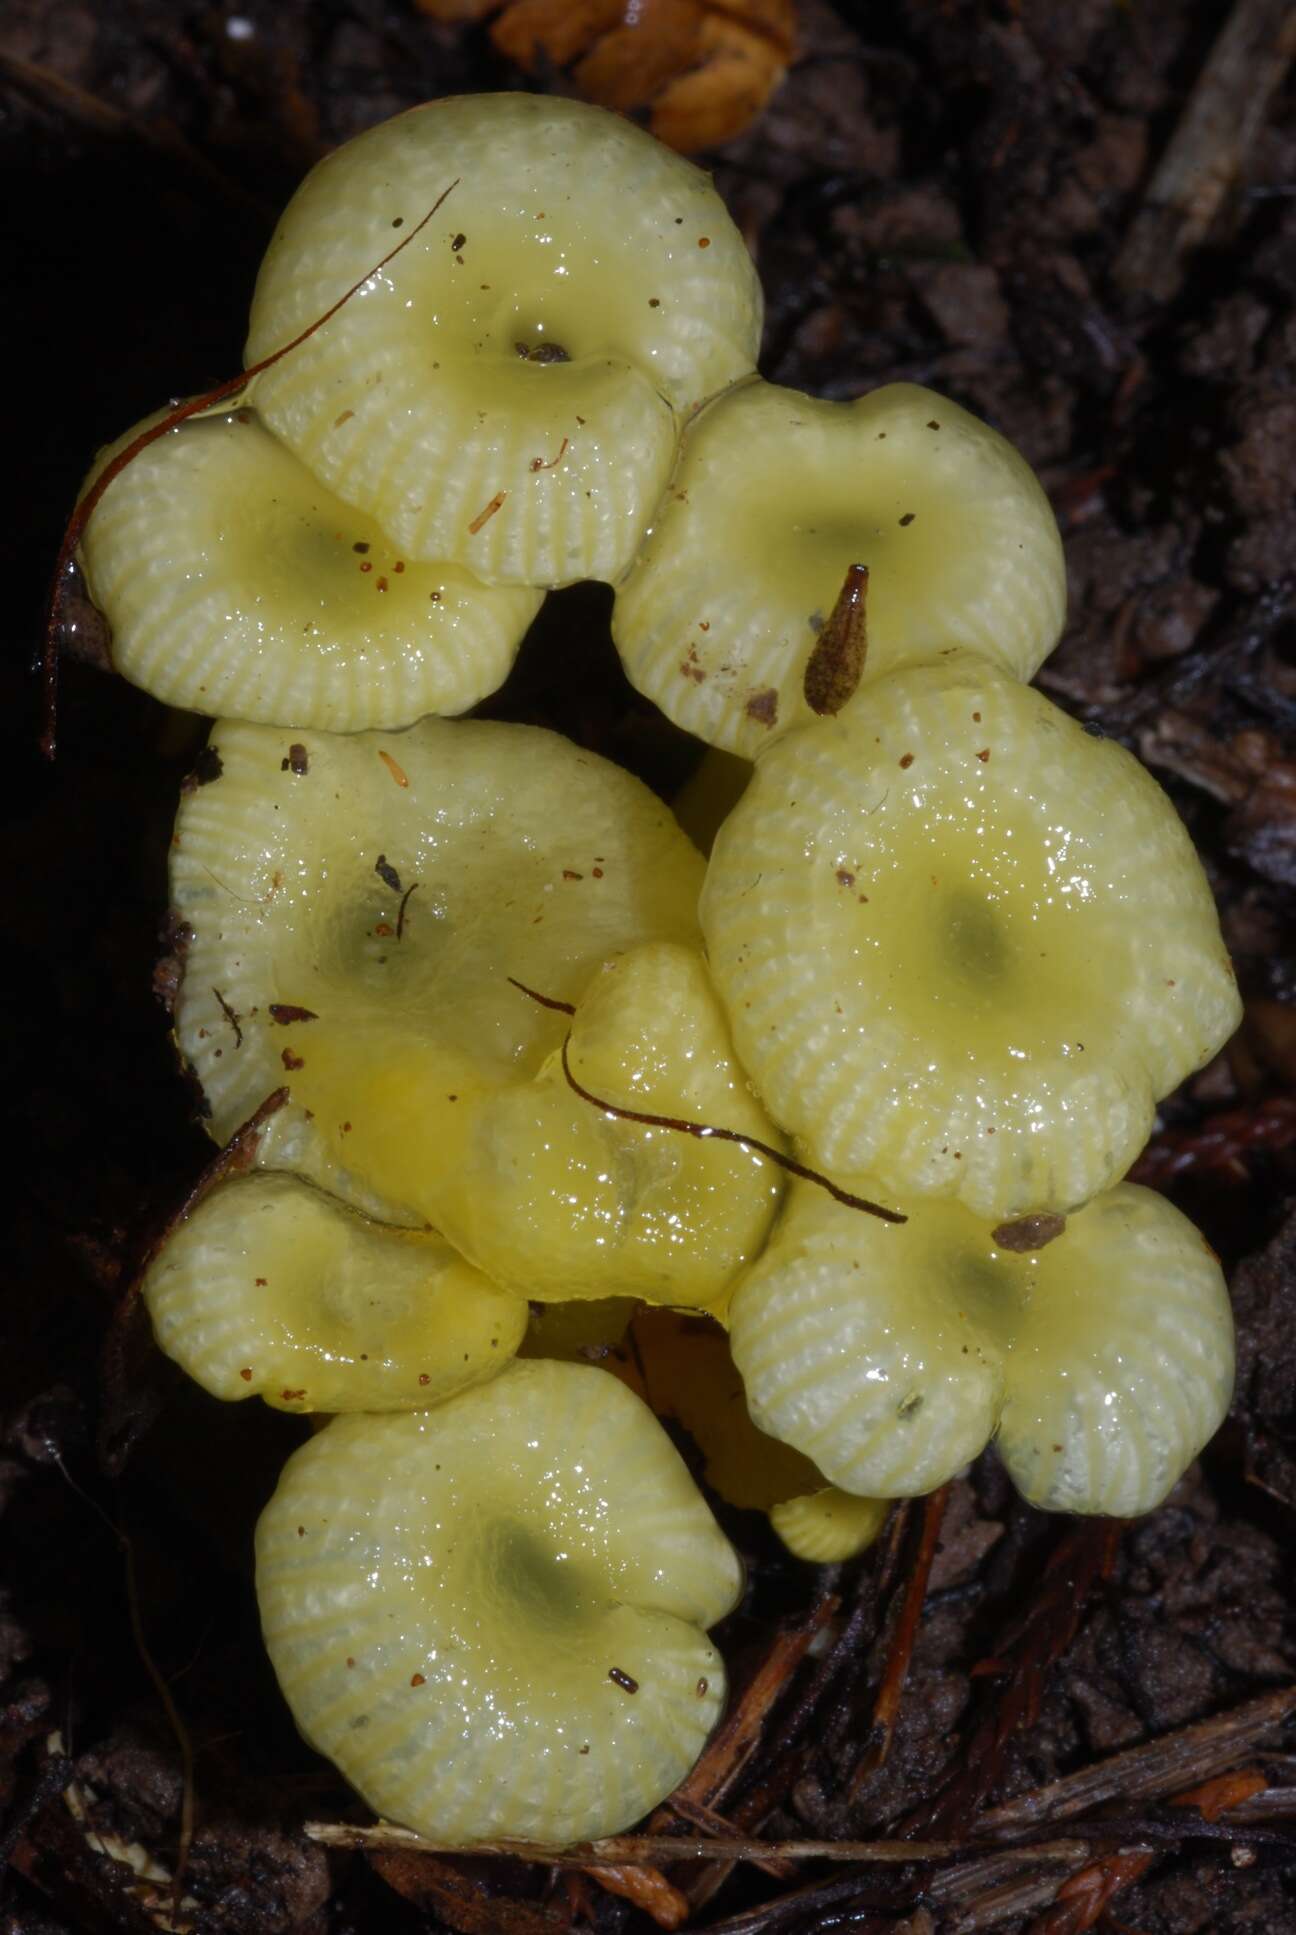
pixel 531 350
pixel 236 583
pixel 490 1615
pixel 558 1198
pixel 270 1288
pixel 964 946
pixel 827 1526
pixel 353 907
pixel 776 495
pixel 890 1354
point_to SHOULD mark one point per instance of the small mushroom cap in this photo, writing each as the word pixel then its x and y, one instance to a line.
pixel 776 496
pixel 557 1198
pixel 827 1526
pixel 964 946
pixel 490 1615
pixel 235 582
pixel 890 1354
pixel 270 1288
pixel 354 907
pixel 581 289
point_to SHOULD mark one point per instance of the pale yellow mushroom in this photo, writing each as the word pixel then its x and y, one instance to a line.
pixel 352 909
pixel 775 497
pixel 559 1198
pixel 1102 1357
pixel 829 1525
pixel 235 583
pixel 680 1363
pixel 963 945
pixel 506 393
pixel 270 1288
pixel 491 1616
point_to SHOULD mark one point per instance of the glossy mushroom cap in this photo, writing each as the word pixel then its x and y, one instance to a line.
pixel 507 392
pixel 491 1615
pixel 775 497
pixel 354 907
pixel 829 1525
pixel 963 945
pixel 270 1288
pixel 558 1198
pixel 235 583
pixel 890 1354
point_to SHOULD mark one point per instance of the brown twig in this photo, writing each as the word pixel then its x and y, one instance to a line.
pixel 1208 150
pixel 836 665
pixel 637 1849
pixel 708 1782
pixel 1150 1771
pixel 1082 1900
pixel 705 1131
pixel 736 1748
pixel 455 1899
pixel 1051 1623
pixel 887 1705
pixel 739 1734
pixel 708 1132
pixel 698 1815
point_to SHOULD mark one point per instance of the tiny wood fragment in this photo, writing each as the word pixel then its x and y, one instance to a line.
pixel 836 665
pixel 1150 1771
pixel 1079 1561
pixel 886 1709
pixel 622 1849
pixel 1208 150
pixel 1028 1233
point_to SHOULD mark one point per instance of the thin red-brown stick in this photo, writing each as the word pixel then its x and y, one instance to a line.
pixel 886 1708
pixel 708 1132
pixel 87 505
pixel 543 1000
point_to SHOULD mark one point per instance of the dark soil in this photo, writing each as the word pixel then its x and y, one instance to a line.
pixel 955 192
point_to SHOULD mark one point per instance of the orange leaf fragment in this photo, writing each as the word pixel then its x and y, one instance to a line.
pixel 702 69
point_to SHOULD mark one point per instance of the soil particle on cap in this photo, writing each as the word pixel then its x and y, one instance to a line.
pixel 207 767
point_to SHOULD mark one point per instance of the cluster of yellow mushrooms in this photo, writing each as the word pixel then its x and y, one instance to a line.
pixel 947 953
